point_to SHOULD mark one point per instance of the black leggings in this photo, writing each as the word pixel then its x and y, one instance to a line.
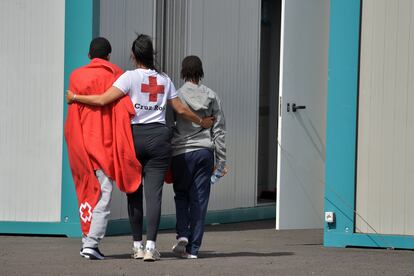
pixel 153 150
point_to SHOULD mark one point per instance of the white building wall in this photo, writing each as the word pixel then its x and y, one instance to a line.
pixel 385 165
pixel 31 121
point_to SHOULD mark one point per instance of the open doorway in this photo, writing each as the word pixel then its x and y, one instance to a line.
pixel 268 100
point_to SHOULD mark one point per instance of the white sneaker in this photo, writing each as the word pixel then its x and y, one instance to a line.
pixel 151 255
pixel 179 247
pixel 188 256
pixel 138 252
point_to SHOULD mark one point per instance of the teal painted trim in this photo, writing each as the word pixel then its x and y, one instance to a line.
pixel 79 31
pixel 341 117
pixel 40 228
pixel 369 240
pixel 242 214
pixel 120 227
pixel 342 132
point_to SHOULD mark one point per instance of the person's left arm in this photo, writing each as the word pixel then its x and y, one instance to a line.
pixel 218 133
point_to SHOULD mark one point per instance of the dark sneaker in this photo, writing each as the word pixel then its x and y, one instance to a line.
pixel 92 253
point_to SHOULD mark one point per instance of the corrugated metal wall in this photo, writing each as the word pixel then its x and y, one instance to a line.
pixel 385 169
pixel 120 21
pixel 31 122
pixel 226 35
pixel 174 38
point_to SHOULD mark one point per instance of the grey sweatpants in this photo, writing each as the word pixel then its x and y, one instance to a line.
pixel 101 212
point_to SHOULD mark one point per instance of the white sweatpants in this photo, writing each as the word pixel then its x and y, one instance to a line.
pixel 101 212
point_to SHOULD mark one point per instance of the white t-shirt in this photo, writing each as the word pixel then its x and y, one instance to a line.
pixel 149 92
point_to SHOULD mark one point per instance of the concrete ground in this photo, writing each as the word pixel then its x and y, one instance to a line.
pixel 250 248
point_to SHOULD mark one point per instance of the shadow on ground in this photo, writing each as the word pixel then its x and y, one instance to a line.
pixel 211 254
pixel 242 226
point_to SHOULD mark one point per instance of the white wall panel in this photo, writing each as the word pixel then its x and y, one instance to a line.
pixel 385 165
pixel 31 121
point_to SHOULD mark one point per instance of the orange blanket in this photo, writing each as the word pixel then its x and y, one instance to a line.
pixel 99 138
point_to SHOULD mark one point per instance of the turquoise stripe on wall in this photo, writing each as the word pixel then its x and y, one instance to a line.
pixel 341 117
pixel 81 25
pixel 117 227
pixel 342 132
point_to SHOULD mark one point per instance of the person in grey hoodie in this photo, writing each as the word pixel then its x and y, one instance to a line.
pixel 196 152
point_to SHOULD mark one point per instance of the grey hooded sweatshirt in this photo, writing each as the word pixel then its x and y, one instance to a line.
pixel 189 136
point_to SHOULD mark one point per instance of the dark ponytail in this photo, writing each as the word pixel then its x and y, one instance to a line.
pixel 143 52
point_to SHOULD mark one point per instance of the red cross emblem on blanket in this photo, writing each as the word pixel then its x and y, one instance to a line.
pixel 85 212
pixel 152 88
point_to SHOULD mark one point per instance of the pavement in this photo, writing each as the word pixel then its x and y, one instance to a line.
pixel 249 248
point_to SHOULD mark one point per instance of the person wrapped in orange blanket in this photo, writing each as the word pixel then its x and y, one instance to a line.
pixel 100 146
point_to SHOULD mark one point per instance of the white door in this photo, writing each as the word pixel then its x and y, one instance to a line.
pixel 301 139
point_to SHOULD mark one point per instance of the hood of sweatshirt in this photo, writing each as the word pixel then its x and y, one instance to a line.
pixel 198 97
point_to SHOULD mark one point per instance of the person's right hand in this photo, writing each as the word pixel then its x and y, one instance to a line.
pixel 69 96
pixel 207 122
pixel 223 172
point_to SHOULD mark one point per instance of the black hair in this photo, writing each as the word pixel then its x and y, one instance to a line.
pixel 100 48
pixel 143 52
pixel 192 69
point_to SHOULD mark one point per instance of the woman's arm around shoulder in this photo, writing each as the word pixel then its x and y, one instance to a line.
pixel 110 95
pixel 184 111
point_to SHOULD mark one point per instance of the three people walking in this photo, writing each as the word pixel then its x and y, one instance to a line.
pixel 150 91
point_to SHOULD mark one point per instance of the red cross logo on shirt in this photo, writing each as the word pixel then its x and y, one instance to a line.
pixel 152 88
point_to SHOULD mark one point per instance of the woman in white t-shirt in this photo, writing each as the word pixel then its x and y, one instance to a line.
pixel 150 92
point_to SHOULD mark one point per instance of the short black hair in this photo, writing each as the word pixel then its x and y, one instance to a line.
pixel 192 69
pixel 100 48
